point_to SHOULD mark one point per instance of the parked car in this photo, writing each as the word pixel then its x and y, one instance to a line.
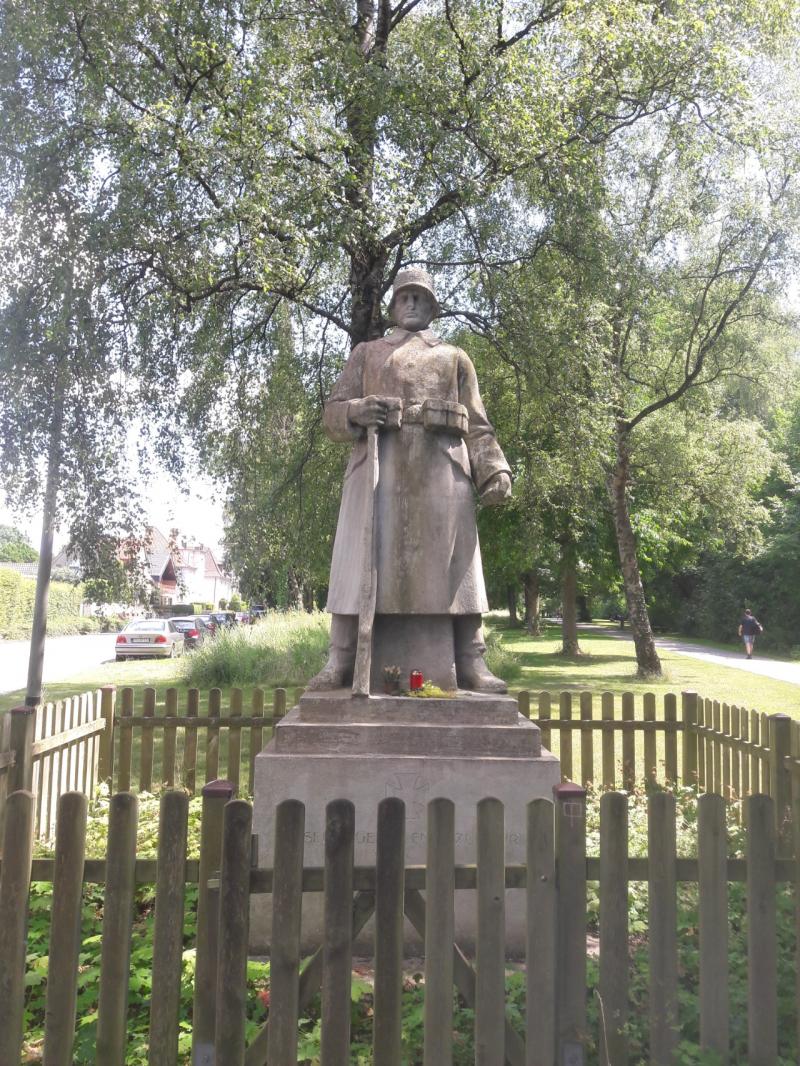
pixel 194 630
pixel 209 621
pixel 224 618
pixel 155 637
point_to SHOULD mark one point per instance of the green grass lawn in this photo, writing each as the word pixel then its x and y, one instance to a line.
pixel 609 664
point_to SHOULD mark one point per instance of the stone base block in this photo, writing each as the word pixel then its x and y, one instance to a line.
pixel 317 777
pixel 414 642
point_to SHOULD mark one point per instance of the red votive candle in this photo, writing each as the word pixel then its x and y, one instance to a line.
pixel 416 680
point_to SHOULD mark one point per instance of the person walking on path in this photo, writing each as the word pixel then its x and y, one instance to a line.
pixel 749 627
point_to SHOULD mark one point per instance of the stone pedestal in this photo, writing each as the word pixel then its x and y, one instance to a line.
pixel 334 747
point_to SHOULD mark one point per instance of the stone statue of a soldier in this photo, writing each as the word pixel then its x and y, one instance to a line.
pixel 436 447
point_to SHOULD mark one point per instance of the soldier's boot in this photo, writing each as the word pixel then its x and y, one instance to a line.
pixel 472 673
pixel 338 670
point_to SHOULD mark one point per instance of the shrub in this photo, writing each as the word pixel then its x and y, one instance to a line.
pixel 502 660
pixel 283 648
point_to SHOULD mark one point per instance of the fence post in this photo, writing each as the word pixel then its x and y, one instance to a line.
pixel 689 719
pixel 215 795
pixel 105 764
pixel 524 703
pixel 14 887
pixel 570 803
pixel 490 992
pixel 780 748
pixel 20 741
pixel 284 955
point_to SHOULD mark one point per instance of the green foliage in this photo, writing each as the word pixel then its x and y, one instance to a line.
pixel 282 648
pixel 14 547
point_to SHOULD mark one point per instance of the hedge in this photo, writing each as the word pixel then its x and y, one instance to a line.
pixel 16 606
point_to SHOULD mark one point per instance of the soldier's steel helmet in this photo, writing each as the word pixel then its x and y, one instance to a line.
pixel 415 277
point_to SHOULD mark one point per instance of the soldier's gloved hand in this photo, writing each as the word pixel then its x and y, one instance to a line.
pixel 497 489
pixel 369 411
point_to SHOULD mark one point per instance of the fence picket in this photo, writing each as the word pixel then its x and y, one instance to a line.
pixel 545 714
pixel 608 741
pixel 663 926
pixel 736 754
pixel 117 924
pixel 766 773
pixel 146 742
pixel 490 1014
pixel 169 744
pixel 65 930
pixel 234 927
pixel 671 739
pixel 235 738
pixel 15 878
pixel 216 794
pixel 708 721
pixel 284 957
pixel 755 756
pixel 726 753
pixel 565 736
pixel 614 925
pixel 587 739
pixel 762 955
pixel 279 703
pixel 628 742
pixel 50 794
pixel 524 703
pixel 744 728
pixel 256 735
pixel 650 760
pixel 439 932
pixel 105 760
pixel 570 815
pixel 190 742
pixel 168 931
pixel 691 746
pixel 780 746
pixel 125 743
pixel 212 735
pixel 713 922
pixel 717 727
pixel 389 887
pixel 37 786
pixel 337 965
pixel 540 948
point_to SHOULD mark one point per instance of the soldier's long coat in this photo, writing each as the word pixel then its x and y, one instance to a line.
pixel 428 557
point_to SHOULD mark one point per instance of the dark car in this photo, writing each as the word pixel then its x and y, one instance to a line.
pixel 224 618
pixel 194 629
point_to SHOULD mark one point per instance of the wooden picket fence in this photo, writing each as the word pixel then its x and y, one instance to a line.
pixel 554 879
pixel 52 749
pixel 105 736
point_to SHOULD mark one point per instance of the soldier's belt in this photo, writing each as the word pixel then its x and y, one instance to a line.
pixel 438 416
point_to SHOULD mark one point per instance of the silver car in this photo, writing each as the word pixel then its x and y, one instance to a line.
pixel 149 637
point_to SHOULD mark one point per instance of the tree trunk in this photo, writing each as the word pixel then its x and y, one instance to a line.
pixel 569 616
pixel 530 581
pixel 649 664
pixel 33 695
pixel 294 591
pixel 511 600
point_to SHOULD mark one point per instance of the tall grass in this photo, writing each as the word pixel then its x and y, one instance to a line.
pixel 283 648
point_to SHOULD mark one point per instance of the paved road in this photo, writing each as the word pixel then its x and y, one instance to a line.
pixel 779 669
pixel 63 657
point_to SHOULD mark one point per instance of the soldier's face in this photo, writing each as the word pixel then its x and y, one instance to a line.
pixel 413 309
